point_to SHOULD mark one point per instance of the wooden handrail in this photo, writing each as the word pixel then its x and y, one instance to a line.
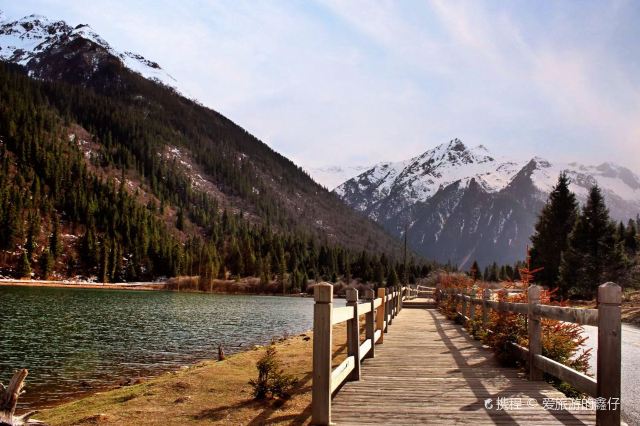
pixel 607 317
pixel 379 313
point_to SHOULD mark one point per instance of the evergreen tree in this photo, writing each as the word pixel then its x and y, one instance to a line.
pixel 392 277
pixel 552 230
pixel 30 245
pixel 24 267
pixel 494 273
pixel 593 255
pixel 46 264
pixel 474 272
pixel 631 238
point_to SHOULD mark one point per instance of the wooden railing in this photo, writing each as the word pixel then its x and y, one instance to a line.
pixel 426 291
pixel 379 314
pixel 606 317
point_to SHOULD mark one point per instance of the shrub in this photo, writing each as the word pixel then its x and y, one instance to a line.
pixel 271 381
pixel 562 342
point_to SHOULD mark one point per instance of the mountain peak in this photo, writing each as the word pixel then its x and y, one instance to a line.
pixel 456 145
pixel 30 40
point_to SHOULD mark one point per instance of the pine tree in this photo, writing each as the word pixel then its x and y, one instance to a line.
pixel 30 245
pixel 551 236
pixel 474 272
pixel 46 264
pixel 494 273
pixel 392 277
pixel 631 238
pixel 593 255
pixel 24 267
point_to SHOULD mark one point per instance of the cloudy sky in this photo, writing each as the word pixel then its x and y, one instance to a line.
pixel 358 82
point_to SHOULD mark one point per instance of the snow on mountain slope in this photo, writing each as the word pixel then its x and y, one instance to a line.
pixel 613 179
pixel 419 178
pixel 462 203
pixel 24 40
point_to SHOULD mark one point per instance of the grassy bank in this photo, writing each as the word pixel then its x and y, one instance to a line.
pixel 207 393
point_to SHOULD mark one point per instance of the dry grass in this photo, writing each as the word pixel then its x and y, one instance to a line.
pixel 207 393
pixel 631 307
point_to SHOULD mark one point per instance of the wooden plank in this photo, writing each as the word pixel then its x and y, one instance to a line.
pixel 341 372
pixel 377 302
pixel 363 308
pixel 365 348
pixel 518 308
pixel 574 315
pixel 430 371
pixel 342 314
pixel 576 379
pixel 377 335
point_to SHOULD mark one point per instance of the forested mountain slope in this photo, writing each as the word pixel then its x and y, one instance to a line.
pixel 135 181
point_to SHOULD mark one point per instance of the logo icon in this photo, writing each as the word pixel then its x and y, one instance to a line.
pixel 488 403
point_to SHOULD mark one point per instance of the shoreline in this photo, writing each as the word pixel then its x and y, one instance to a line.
pixel 209 391
pixel 146 286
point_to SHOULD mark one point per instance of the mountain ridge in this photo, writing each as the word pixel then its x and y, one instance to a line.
pixel 29 40
pixel 424 194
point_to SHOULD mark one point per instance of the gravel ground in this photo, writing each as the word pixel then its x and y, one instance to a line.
pixel 630 369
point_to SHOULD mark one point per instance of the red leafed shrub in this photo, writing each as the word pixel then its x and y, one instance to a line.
pixel 562 342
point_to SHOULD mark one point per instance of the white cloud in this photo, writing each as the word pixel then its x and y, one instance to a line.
pixel 355 82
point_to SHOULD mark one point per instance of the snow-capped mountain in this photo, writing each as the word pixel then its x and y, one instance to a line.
pixel 461 203
pixel 33 40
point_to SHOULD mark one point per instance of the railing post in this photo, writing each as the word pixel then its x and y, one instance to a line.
pixel 370 323
pixel 381 315
pixel 609 353
pixel 353 333
pixel 394 294
pixel 389 309
pixel 486 295
pixel 322 340
pixel 464 305
pixel 394 302
pixel 534 329
pixel 472 308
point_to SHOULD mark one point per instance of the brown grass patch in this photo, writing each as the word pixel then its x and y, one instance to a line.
pixel 206 393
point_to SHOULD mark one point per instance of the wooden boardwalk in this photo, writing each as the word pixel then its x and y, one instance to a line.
pixel 430 371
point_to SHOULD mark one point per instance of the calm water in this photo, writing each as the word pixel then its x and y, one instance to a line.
pixel 74 341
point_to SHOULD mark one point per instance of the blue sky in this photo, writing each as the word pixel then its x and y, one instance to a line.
pixel 358 82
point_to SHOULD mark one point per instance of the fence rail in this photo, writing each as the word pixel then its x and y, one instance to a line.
pixel 379 314
pixel 606 317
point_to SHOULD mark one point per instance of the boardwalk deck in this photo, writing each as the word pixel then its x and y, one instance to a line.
pixel 430 371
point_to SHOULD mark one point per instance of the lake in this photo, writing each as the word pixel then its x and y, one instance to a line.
pixel 75 341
